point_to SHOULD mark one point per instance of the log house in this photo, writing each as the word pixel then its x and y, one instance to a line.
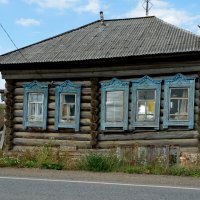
pixel 104 85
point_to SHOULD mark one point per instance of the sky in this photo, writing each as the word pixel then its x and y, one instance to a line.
pixel 30 21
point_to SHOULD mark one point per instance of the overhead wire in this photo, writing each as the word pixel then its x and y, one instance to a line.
pixel 13 42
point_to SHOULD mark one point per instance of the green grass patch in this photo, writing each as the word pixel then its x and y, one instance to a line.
pixel 99 162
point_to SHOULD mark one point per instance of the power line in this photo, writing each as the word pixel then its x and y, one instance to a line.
pixel 13 42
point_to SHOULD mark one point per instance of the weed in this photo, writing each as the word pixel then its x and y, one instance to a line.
pixel 99 162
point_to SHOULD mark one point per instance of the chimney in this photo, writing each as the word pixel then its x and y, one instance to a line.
pixel 102 18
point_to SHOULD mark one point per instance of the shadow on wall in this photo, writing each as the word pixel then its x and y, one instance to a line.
pixel 2 107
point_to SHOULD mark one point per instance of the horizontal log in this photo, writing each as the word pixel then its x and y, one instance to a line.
pixel 20 91
pixel 18 98
pixel 84 106
pixel 85 122
pixel 98 72
pixel 53 143
pixel 53 136
pixel 150 136
pixel 71 151
pixel 83 83
pixel 84 98
pixel 180 142
pixel 51 128
pixel 84 114
pixel 189 149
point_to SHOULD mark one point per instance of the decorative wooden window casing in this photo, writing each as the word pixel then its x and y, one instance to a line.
pixel 114 104
pixel 35 105
pixel 145 111
pixel 179 102
pixel 67 106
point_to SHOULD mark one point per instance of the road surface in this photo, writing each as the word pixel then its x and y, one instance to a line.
pixel 28 184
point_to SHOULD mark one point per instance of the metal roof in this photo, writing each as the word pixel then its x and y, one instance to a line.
pixel 116 39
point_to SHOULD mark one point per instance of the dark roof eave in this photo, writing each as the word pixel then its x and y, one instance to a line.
pixel 113 59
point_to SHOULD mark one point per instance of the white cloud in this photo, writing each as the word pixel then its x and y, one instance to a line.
pixel 92 6
pixel 27 22
pixel 57 4
pixel 164 10
pixel 3 1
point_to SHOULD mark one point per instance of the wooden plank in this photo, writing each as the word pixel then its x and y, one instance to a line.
pixel 149 136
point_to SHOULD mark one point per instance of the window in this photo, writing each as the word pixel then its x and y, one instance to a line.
pixel 145 103
pixel 67 112
pixel 179 102
pixel 67 108
pixel 178 108
pixel 35 105
pixel 114 104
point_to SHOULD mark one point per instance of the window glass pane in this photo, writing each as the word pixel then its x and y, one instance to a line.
pixel 114 106
pixel 69 98
pixel 178 104
pixel 40 109
pixel 32 109
pixel 179 92
pixel 145 105
pixel 67 108
pixel 141 107
pixel 40 97
pixel 146 94
pixel 174 106
pixel 150 117
pixel 36 97
pixel 150 107
pixel 35 107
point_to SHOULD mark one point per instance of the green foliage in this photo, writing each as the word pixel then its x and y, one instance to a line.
pixel 9 162
pixel 99 162
pixel 29 164
pixel 56 166
pixel 136 169
pixel 184 171
pixel 47 158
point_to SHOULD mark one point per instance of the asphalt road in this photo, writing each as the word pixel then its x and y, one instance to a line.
pixel 23 184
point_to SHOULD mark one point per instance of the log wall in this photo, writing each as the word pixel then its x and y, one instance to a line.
pixel 34 137
pixel 90 135
pixel 186 139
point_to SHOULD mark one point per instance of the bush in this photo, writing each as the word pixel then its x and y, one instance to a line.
pixel 99 162
pixel 184 171
pixel 9 162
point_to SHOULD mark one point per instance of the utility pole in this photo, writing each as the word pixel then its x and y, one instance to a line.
pixel 147 5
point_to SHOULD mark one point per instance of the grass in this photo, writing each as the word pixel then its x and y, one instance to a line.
pixel 46 158
pixel 99 162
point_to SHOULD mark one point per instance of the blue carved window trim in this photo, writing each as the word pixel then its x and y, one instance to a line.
pixel 112 86
pixel 35 87
pixel 68 88
pixel 179 81
pixel 145 83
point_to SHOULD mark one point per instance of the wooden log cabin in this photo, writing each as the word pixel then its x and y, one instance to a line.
pixel 104 85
